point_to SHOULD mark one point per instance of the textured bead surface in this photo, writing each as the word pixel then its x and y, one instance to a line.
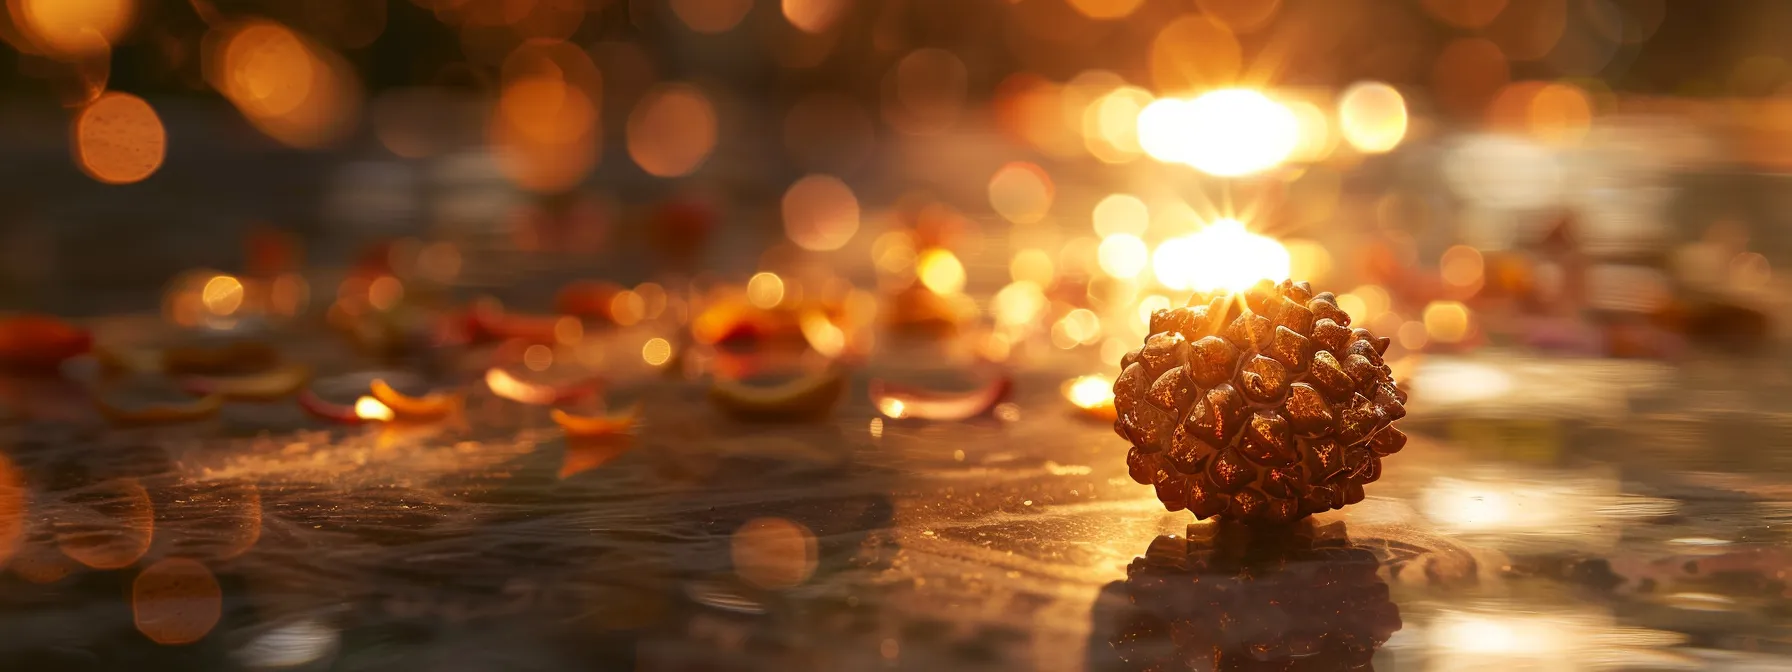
pixel 1263 406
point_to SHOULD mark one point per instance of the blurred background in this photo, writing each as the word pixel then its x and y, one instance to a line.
pixel 1590 175
pixel 1566 214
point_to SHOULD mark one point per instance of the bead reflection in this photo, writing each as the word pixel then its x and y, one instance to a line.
pixel 1230 598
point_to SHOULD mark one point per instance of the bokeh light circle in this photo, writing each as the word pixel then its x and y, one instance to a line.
pixel 1021 192
pixel 1372 116
pixel 820 213
pixel 672 130
pixel 119 139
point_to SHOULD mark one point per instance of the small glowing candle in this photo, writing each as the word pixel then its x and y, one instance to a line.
pixel 1094 394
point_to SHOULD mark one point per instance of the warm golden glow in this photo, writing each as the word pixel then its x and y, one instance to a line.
pixel 545 131
pixel 1090 391
pixel 222 295
pixel 894 252
pixel 813 16
pixel 1316 138
pixel 940 271
pixel 1446 321
pixel 1034 266
pixel 299 93
pixel 1121 213
pixel 1122 255
pixel 1229 132
pixel 891 407
pixel 73 27
pixel 822 334
pixel 1021 302
pixel 1221 256
pixel 1372 116
pixel 1364 303
pixel 765 290
pixel 820 213
pixel 1021 192
pixel 118 139
pixel 672 130
pixel 1412 336
pixel 1193 52
pixel 1078 327
pixel 1560 114
pixel 1093 394
pixel 1149 305
pixel 1750 270
pixel 656 352
pixel 1111 124
pixel 774 553
pixel 1308 260
pixel 267 70
pixel 369 408
pixel 1462 268
pixel 176 601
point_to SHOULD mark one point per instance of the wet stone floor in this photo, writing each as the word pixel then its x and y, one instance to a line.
pixel 1548 514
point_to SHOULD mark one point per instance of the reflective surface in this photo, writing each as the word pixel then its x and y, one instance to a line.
pixel 1619 525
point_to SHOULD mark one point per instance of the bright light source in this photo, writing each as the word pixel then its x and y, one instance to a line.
pixel 369 408
pixel 1090 391
pixel 1228 132
pixel 1221 256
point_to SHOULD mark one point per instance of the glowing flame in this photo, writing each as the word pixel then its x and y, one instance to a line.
pixel 1094 394
pixel 1222 256
pixel 369 408
pixel 1227 133
pixel 891 407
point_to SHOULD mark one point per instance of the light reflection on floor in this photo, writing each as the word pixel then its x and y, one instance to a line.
pixel 984 543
